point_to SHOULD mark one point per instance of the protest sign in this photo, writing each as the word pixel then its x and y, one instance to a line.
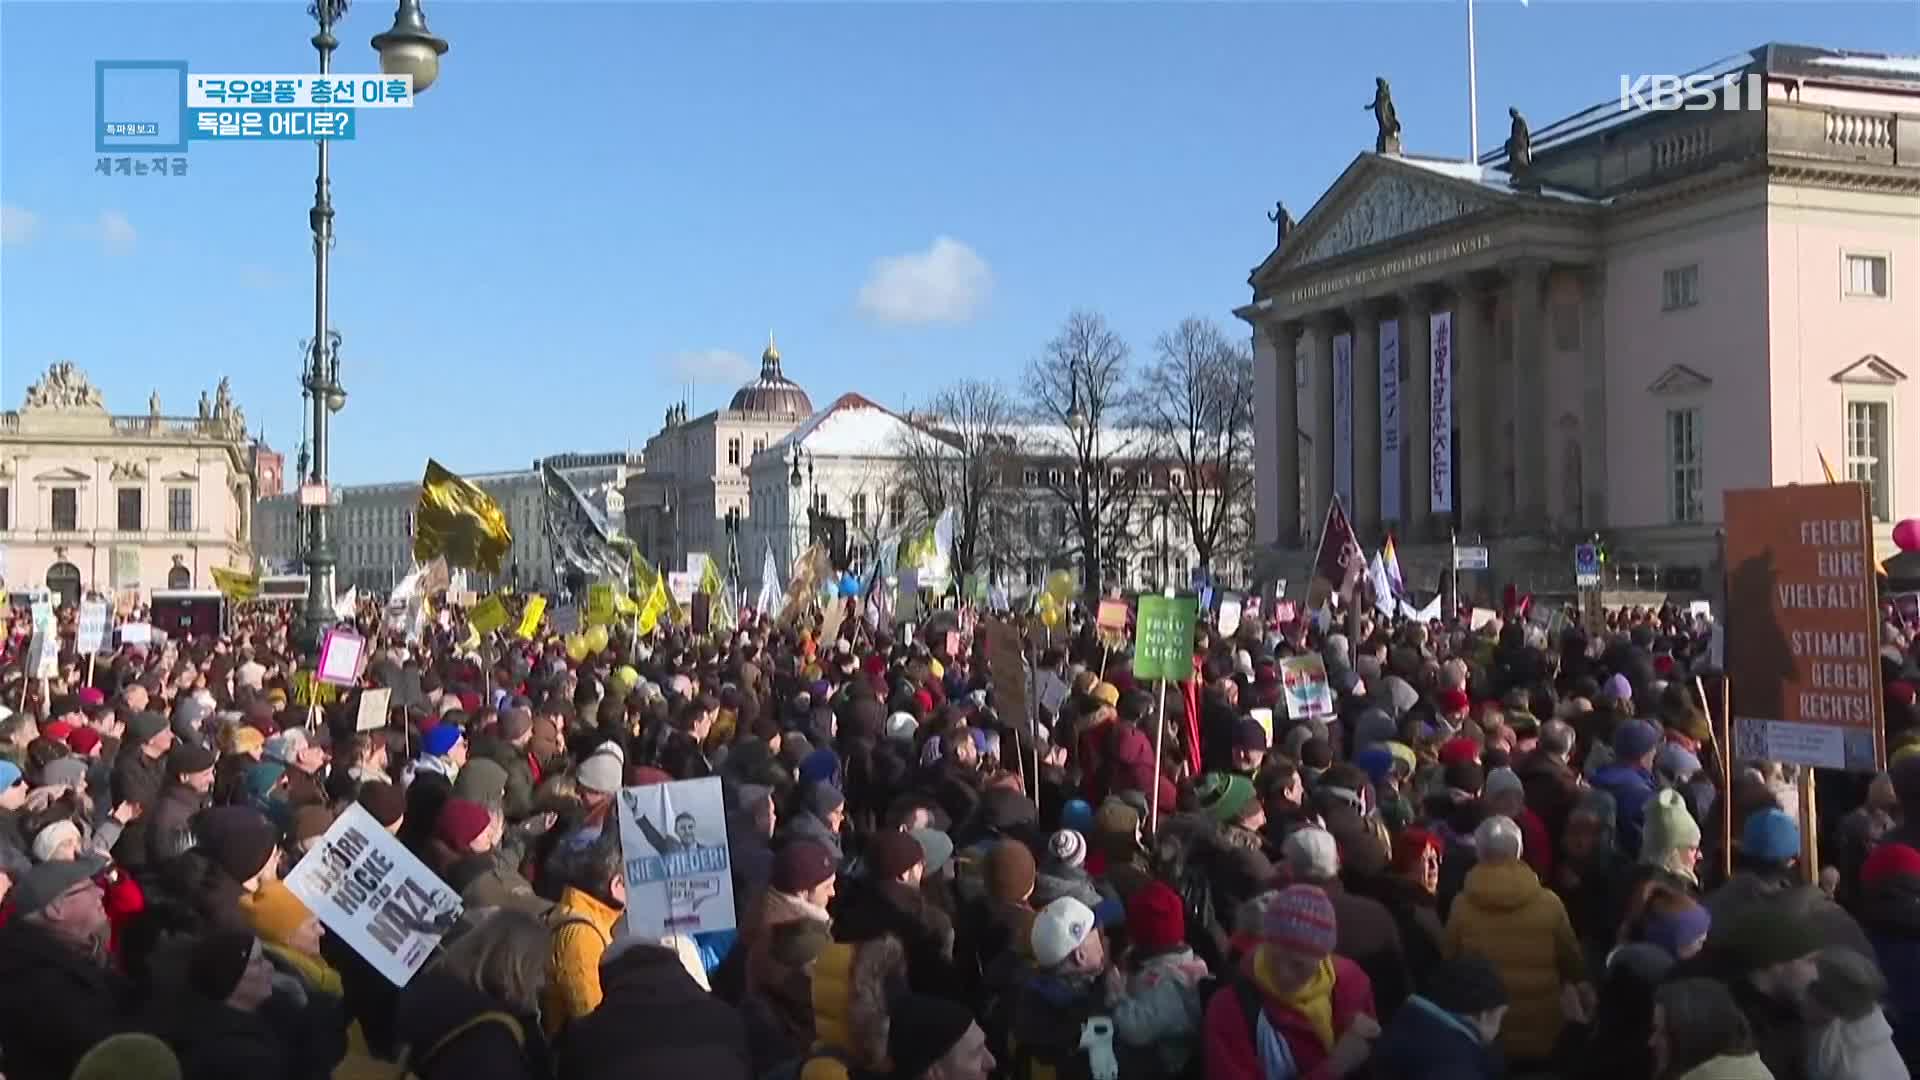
pixel 375 896
pixel 600 604
pixel 488 616
pixel 1309 694
pixel 530 617
pixel 43 653
pixel 372 715
pixel 1111 619
pixel 1263 717
pixel 1228 618
pixel 1803 626
pixel 1163 637
pixel 342 654
pixel 92 633
pixel 1007 667
pixel 673 842
pixel 136 633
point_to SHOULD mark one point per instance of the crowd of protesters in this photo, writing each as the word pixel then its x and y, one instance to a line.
pixel 1499 855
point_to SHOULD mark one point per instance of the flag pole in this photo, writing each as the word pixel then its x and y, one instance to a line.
pixel 1473 92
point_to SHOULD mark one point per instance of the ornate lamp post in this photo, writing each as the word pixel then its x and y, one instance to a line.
pixel 405 49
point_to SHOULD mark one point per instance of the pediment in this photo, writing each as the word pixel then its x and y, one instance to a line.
pixel 1378 199
pixel 1870 370
pixel 1679 379
pixel 68 475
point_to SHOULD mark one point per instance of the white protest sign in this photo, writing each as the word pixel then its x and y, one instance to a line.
pixel 1228 620
pixel 93 627
pixel 341 656
pixel 136 633
pixel 373 709
pixel 43 654
pixel 368 889
pixel 673 840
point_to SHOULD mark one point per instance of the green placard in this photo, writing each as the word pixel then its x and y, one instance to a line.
pixel 1163 637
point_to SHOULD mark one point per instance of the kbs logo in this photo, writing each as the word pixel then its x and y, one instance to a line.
pixel 1693 93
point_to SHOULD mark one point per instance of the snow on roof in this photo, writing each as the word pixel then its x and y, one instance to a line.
pixel 1876 65
pixel 1608 114
pixel 1488 177
pixel 853 426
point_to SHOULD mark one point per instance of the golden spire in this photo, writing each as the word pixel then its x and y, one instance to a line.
pixel 772 355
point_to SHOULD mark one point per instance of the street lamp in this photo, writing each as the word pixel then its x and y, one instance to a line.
pixel 408 48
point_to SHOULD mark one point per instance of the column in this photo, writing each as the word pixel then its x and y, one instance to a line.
pixel 1593 396
pixel 1320 387
pixel 1284 401
pixel 1416 413
pixel 1527 293
pixel 1366 421
pixel 1472 442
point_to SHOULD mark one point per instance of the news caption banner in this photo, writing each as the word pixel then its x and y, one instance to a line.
pixel 148 112
pixel 368 889
pixel 1803 627
pixel 673 843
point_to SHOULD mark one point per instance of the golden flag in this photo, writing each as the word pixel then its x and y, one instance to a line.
pixel 656 605
pixel 642 573
pixel 460 522
pixel 1824 467
pixel 236 586
pixel 710 579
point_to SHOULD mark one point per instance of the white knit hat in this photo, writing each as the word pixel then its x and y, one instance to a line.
pixel 601 773
pixel 1068 848
pixel 1059 929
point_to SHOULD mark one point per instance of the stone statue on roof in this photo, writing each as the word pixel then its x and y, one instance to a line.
pixel 223 399
pixel 206 410
pixel 1283 223
pixel 153 405
pixel 64 386
pixel 1387 140
pixel 1520 154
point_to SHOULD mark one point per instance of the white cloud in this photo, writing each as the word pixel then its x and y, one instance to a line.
pixel 948 282
pixel 117 235
pixel 17 225
pixel 722 366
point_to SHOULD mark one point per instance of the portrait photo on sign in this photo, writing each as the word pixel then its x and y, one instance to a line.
pixel 673 839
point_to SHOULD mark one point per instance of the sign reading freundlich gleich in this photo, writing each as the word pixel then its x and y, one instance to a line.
pixel 1802 627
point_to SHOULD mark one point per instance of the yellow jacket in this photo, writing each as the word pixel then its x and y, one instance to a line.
pixel 583 929
pixel 1519 926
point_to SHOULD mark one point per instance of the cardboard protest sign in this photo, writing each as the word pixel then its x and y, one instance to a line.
pixel 600 604
pixel 43 653
pixel 1308 692
pixel 488 616
pixel 1163 637
pixel 372 715
pixel 92 633
pixel 673 841
pixel 371 892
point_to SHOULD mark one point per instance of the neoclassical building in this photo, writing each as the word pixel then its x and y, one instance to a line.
pixel 93 501
pixel 1600 329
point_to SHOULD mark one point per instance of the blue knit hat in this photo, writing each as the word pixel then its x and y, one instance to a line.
pixel 1376 762
pixel 441 740
pixel 821 765
pixel 1634 739
pixel 1771 834
pixel 1075 814
pixel 9 774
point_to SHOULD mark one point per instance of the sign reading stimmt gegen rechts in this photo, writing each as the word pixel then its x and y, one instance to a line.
pixel 274 107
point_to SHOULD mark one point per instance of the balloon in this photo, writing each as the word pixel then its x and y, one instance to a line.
pixel 1051 614
pixel 849 586
pixel 596 639
pixel 576 647
pixel 1906 535
pixel 625 678
pixel 1060 584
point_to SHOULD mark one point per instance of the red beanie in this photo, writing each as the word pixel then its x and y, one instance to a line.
pixel 83 740
pixel 1901 691
pixel 1454 701
pixel 1156 920
pixel 1459 751
pixel 461 823
pixel 1890 860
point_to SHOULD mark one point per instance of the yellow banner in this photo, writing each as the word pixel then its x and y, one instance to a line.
pixel 489 615
pixel 458 521
pixel 530 618
pixel 655 606
pixel 235 585
pixel 599 605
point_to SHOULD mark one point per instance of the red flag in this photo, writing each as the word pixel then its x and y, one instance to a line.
pixel 1338 564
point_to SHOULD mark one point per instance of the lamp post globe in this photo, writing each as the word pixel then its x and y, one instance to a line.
pixel 409 48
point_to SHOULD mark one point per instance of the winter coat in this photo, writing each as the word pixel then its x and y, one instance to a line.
pixel 655 1021
pixel 1856 1050
pixel 869 909
pixel 779 1020
pixel 1552 788
pixel 138 778
pixel 1425 1042
pixel 1416 915
pixel 1232 1047
pixel 1632 788
pixel 756 935
pixel 440 1022
pixel 805 826
pixel 1507 916
pixel 1891 914
pixel 1162 1009
pixel 286 1038
pixel 1055 881
pixel 851 987
pixel 1616 1044
pixel 1369 937
pixel 1040 1023
pixel 55 1002
pixel 1747 891
pixel 168 823
pixel 1728 1067
pixel 583 928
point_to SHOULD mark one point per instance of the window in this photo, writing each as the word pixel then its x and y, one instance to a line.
pixel 127 501
pixel 1867 458
pixel 733 451
pixel 759 445
pixel 819 502
pixel 896 510
pixel 1030 477
pixel 1680 287
pixel 6 507
pixel 1867 276
pixel 1059 523
pixel 66 508
pixel 1117 477
pixel 180 509
pixel 1684 473
pixel 1176 479
pixel 1566 327
pixel 1144 478
pixel 860 510
pixel 1055 477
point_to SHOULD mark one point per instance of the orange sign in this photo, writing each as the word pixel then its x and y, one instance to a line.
pixel 1803 627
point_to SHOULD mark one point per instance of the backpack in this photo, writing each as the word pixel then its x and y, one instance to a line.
pixel 403 1069
pixel 1247 994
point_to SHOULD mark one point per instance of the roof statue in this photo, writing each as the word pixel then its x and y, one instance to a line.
pixel 1387 141
pixel 1283 223
pixel 1520 154
pixel 64 386
pixel 153 405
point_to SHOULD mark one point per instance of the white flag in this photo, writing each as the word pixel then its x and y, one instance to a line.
pixel 769 598
pixel 348 602
pixel 1383 598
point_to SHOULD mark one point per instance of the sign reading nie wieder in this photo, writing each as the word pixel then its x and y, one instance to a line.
pixel 673 841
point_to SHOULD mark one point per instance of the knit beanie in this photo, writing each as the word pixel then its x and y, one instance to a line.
pixel 1225 796
pixel 441 740
pixel 1668 828
pixel 1075 814
pixel 238 839
pixel 799 866
pixel 460 823
pixel 892 853
pixel 823 799
pixel 128 1056
pixel 921 1030
pixel 938 847
pixel 1674 931
pixel 1890 861
pixel 1771 834
pixel 482 780
pixel 1634 739
pixel 1503 781
pixel 1118 820
pixel 1313 854
pixel 188 758
pixel 1067 848
pixel 1011 872
pixel 217 961
pixel 1300 920
pixel 1466 985
pixel 1156 918
pixel 263 777
pixel 600 773
pixel 48 840
pixel 386 802
pixel 274 912
pixel 1459 751
pixel 143 726
pixel 1767 934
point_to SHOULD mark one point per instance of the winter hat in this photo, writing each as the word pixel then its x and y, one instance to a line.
pixel 801 865
pixel 921 1030
pixel 1300 920
pixel 1059 929
pixel 1464 776
pixel 1077 815
pixel 1634 739
pixel 823 799
pixel 892 853
pixel 600 773
pixel 461 822
pixel 1156 917
pixel 483 781
pixel 1466 985
pixel 1011 872
pixel 1249 735
pixel 144 725
pixel 1224 796
pixel 70 771
pixel 1106 694
pixel 1453 701
pixel 1376 761
pixel 441 740
pixel 48 840
pixel 1846 985
pixel 1459 750
pixel 310 822
pixel 1503 781
pixel 262 778
pixel 1675 930
pixel 128 1055
pixel 1677 761
pixel 1767 934
pixel 187 758
pixel 1116 819
pixel 274 912
pixel 1890 860
pixel 217 962
pixel 83 740
pixel 9 775
pixel 1313 854
pixel 822 765
pixel 1617 688
pixel 1068 848
pixel 937 846
pixel 902 726
pixel 1771 834
pixel 386 802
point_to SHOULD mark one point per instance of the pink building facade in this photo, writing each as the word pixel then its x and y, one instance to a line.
pixel 1646 310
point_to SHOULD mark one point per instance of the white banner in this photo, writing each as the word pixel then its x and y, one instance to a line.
pixel 368 889
pixel 1440 442
pixel 1390 420
pixel 673 842
pixel 92 636
pixel 1343 418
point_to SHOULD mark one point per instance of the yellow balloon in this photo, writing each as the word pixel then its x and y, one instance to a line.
pixel 625 678
pixel 1060 584
pixel 596 639
pixel 576 647
pixel 1051 615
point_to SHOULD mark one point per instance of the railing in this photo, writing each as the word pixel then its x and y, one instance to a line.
pixel 188 426
pixel 1817 131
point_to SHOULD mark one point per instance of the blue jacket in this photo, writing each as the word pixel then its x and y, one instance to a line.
pixel 1425 1042
pixel 1632 788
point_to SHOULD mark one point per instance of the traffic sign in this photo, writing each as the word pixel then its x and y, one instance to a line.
pixel 1470 558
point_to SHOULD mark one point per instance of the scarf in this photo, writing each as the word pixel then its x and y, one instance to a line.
pixel 1312 1000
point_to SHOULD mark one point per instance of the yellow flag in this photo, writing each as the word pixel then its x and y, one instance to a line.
pixel 642 573
pixel 460 522
pixel 655 606
pixel 622 603
pixel 530 617
pixel 234 585
pixel 710 579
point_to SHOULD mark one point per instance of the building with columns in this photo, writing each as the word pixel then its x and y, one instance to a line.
pixel 1600 329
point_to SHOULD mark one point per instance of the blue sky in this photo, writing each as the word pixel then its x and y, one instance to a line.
pixel 596 199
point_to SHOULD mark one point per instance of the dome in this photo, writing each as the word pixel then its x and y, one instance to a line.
pixel 772 392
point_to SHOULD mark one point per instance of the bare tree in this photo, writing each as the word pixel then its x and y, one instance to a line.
pixel 1197 402
pixel 1079 396
pixel 954 452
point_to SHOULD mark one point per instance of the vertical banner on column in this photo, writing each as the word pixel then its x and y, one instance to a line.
pixel 1390 420
pixel 1440 427
pixel 1343 418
